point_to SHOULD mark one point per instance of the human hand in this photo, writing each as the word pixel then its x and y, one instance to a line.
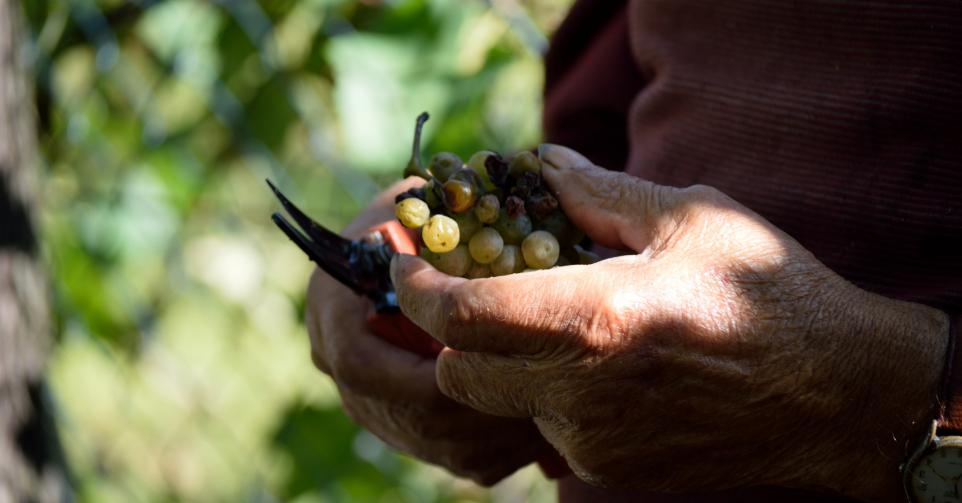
pixel 721 354
pixel 393 393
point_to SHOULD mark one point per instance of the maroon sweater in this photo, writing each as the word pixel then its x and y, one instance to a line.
pixel 838 121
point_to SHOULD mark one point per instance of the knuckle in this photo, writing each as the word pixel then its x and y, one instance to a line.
pixel 703 194
pixel 456 314
pixel 701 190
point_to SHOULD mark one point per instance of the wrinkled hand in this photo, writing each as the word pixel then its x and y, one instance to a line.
pixel 721 354
pixel 393 393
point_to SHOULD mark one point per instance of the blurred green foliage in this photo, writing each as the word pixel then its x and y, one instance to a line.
pixel 182 370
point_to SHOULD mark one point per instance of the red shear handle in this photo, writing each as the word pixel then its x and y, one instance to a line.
pixel 395 327
pixel 402 239
pixel 403 333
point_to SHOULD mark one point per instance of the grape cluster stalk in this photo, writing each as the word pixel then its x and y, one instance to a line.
pixel 490 216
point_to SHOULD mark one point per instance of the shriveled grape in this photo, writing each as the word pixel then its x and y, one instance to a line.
pixel 509 261
pixel 440 234
pixel 497 171
pixel 540 250
pixel 486 245
pixel 412 212
pixel 515 206
pixel 541 205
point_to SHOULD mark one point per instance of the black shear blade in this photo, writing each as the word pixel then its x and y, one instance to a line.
pixel 330 261
pixel 314 230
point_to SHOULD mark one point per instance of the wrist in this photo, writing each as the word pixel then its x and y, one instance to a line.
pixel 897 372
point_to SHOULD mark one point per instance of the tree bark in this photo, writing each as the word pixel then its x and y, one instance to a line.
pixel 29 466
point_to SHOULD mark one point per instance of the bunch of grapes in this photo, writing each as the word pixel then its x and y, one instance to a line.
pixel 491 216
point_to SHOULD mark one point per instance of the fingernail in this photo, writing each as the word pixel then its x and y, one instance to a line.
pixel 548 154
pixel 561 157
pixel 394 265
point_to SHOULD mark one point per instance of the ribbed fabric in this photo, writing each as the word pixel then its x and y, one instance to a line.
pixel 838 121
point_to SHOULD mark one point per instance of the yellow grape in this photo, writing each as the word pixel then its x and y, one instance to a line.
pixel 440 234
pixel 412 212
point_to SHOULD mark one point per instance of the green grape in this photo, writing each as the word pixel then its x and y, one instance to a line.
pixel 509 262
pixel 524 162
pixel 468 224
pixel 432 194
pixel 540 250
pixel 477 163
pixel 478 271
pixel 412 212
pixel 513 230
pixel 558 224
pixel 487 208
pixel 440 234
pixel 456 262
pixel 459 196
pixel 486 245
pixel 444 164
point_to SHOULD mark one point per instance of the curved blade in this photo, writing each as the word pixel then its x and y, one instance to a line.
pixel 332 262
pixel 314 230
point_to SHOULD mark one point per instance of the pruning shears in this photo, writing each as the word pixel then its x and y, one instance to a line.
pixel 363 266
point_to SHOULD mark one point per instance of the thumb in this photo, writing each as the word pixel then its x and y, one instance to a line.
pixel 614 209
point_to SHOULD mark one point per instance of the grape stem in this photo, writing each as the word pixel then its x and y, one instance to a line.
pixel 414 167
